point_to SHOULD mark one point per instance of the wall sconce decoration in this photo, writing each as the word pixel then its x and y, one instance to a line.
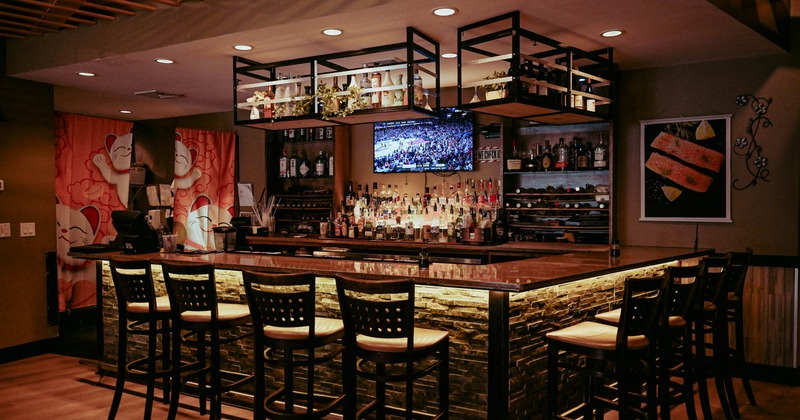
pixel 747 145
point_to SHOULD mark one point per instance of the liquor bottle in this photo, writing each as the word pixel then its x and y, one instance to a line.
pixel 530 162
pixel 418 94
pixel 601 154
pixel 368 229
pixel 291 135
pixel 514 163
pixel 580 156
pixel 294 164
pixel 305 167
pixel 547 157
pixel 366 98
pixel 321 164
pixel 589 153
pixel 562 155
pixel 499 228
pixel 590 102
pixel 330 165
pixel 350 196
pixel 283 165
pixel 542 76
pixel 375 82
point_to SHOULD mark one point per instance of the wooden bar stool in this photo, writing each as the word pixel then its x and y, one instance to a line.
pixel 193 299
pixel 740 262
pixel 675 345
pixel 710 319
pixel 288 333
pixel 629 348
pixel 383 345
pixel 141 312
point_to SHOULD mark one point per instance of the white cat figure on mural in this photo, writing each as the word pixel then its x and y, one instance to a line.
pixel 119 173
pixel 199 224
pixel 185 172
pixel 76 276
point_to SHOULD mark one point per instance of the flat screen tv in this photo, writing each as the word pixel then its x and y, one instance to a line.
pixel 442 143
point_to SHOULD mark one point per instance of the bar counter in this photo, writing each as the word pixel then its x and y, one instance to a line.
pixel 497 313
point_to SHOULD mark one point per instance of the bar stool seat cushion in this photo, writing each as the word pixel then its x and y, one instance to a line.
pixel 162 305
pixel 595 335
pixel 423 339
pixel 323 327
pixel 612 317
pixel 225 312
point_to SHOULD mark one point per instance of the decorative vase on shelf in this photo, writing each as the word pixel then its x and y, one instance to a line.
pixel 399 94
pixel 387 96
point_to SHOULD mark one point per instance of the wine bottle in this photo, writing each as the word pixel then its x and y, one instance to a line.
pixel 581 157
pixel 590 102
pixel 542 77
pixel 530 162
pixel 387 96
pixel 514 163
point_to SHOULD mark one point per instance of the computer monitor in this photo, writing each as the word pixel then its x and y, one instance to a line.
pixel 134 235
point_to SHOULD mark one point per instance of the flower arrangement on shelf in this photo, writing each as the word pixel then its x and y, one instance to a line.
pixel 495 86
pixel 338 106
pixel 261 96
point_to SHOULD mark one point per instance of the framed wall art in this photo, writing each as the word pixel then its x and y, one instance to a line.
pixel 685 169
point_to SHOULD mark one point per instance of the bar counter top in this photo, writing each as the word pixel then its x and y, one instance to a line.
pixel 549 265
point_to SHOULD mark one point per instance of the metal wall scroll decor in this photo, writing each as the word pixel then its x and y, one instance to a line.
pixel 747 145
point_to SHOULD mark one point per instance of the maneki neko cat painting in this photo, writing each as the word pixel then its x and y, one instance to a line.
pixel 203 185
pixel 93 161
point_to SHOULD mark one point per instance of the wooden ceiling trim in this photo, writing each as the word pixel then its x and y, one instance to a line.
pixel 70 9
pixel 38 20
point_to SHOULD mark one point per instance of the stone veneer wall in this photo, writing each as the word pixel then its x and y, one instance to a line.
pixel 532 315
pixel 462 312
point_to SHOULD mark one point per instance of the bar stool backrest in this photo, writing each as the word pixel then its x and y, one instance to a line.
pixel 133 283
pixel 740 263
pixel 191 287
pixel 376 308
pixel 715 278
pixel 281 300
pixel 642 305
pixel 684 282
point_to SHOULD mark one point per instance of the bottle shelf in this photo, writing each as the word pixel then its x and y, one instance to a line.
pixel 411 79
pixel 542 80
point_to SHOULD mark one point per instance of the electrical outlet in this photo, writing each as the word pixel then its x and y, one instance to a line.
pixel 5 230
pixel 27 230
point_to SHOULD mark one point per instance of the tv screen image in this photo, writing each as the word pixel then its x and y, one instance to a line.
pixel 433 144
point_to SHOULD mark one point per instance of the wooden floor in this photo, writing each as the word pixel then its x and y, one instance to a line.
pixel 60 387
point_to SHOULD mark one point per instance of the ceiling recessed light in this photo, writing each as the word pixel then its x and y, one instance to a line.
pixel 86 74
pixel 444 11
pixel 332 32
pixel 125 111
pixel 449 55
pixel 242 47
pixel 611 33
pixel 164 61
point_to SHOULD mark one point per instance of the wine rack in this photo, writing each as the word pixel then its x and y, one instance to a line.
pixel 558 205
pixel 506 70
pixel 306 105
pixel 301 212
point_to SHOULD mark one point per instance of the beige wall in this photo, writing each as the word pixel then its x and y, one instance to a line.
pixel 28 170
pixel 765 217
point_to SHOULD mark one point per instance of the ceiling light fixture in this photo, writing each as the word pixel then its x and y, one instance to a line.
pixel 86 74
pixel 164 61
pixel 449 55
pixel 242 47
pixel 444 11
pixel 611 33
pixel 125 111
pixel 332 32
